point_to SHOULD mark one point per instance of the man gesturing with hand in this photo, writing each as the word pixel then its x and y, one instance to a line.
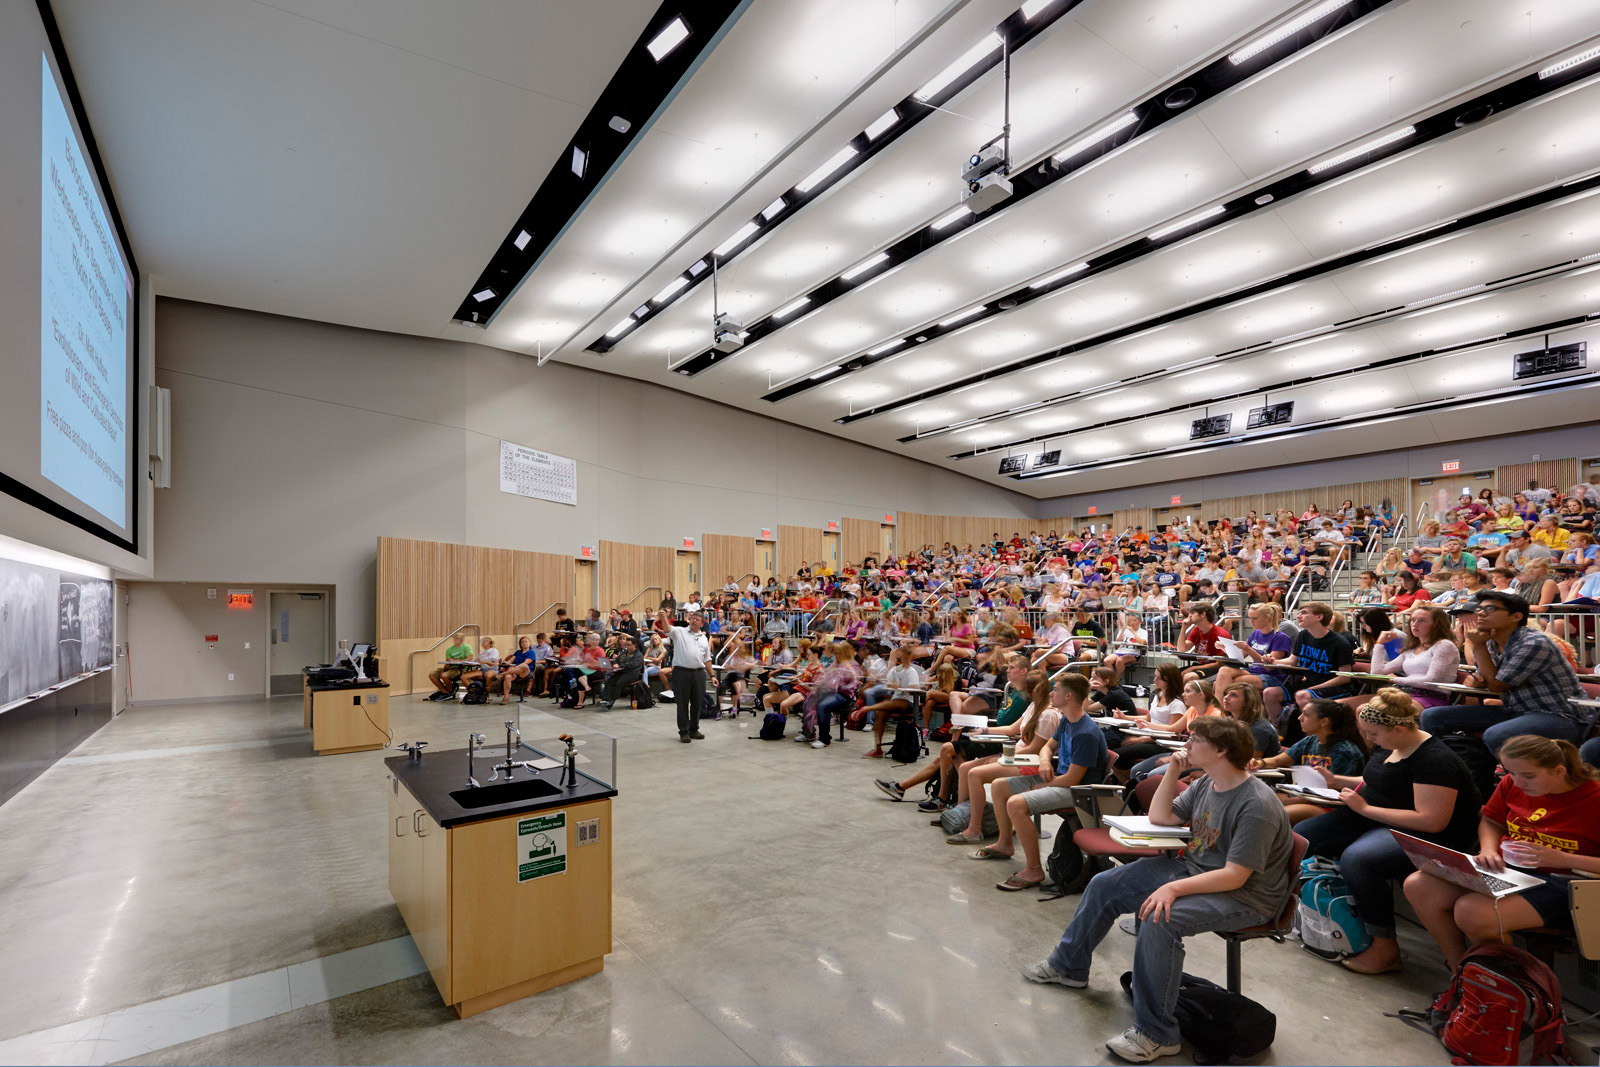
pixel 1234 873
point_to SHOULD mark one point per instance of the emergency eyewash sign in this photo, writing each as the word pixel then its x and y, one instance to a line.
pixel 541 846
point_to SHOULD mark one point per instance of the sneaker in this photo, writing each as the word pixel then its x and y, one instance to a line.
pixel 892 789
pixel 876 753
pixel 441 696
pixel 803 739
pixel 931 805
pixel 1129 925
pixel 604 705
pixel 1135 1047
pixel 1043 973
pixel 819 744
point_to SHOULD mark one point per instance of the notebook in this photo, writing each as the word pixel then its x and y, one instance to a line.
pixel 1141 826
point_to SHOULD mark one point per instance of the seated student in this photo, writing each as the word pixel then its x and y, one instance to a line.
pixel 1233 874
pixel 1367 591
pixel 1319 650
pixel 888 698
pixel 1332 740
pixel 655 656
pixel 1266 645
pixel 1525 667
pixel 1202 637
pixel 1090 634
pixel 1407 590
pixel 1243 703
pixel 519 665
pixel 1128 645
pixel 1105 697
pixel 445 677
pixel 784 696
pixel 1074 755
pixel 629 668
pixel 834 692
pixel 1412 783
pixel 1424 651
pixel 1544 810
pixel 1033 731
pixel 488 665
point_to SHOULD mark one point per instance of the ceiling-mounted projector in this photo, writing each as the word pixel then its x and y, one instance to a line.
pixel 727 335
pixel 986 192
pixel 983 161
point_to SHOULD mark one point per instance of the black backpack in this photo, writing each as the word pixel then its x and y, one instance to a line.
pixel 1475 754
pixel 1067 870
pixel 1219 1024
pixel 772 727
pixel 477 692
pixel 641 696
pixel 708 707
pixel 907 746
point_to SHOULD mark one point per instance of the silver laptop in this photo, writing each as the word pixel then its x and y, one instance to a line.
pixel 1459 869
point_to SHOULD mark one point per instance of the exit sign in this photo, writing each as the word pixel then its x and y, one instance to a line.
pixel 1094 510
pixel 1450 466
pixel 241 598
pixel 888 520
pixel 587 552
pixel 832 527
pixel 1177 500
pixel 764 535
pixel 688 543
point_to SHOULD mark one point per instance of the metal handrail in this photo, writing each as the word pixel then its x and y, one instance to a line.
pixel 1052 650
pixel 727 647
pixel 1291 595
pixel 411 661
pixel 516 631
pixel 629 602
pixel 1421 511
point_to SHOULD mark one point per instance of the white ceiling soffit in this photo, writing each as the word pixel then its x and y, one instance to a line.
pixel 790 82
pixel 341 160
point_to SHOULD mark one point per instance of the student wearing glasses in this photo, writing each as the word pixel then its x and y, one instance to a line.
pixel 1524 667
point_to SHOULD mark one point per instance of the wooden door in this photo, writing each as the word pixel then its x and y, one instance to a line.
pixel 1439 493
pixel 583 590
pixel 887 538
pixel 686 575
pixel 830 550
pixel 765 560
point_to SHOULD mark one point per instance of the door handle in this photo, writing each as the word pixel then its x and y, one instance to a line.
pixel 397 831
pixel 416 823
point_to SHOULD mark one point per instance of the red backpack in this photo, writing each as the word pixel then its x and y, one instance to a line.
pixel 1502 1007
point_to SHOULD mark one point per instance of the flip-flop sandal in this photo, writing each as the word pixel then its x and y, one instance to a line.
pixel 962 839
pixel 1014 884
pixel 987 853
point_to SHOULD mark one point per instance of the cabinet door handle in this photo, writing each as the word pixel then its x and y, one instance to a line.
pixel 416 823
pixel 397 831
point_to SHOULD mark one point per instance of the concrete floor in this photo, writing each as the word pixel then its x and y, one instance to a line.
pixel 770 907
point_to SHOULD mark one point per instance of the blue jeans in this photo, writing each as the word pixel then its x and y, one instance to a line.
pixel 1369 860
pixel 1498 723
pixel 1158 955
pixel 1590 752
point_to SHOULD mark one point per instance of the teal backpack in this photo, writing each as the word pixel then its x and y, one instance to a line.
pixel 1326 915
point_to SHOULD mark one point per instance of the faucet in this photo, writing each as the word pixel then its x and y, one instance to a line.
pixel 472 740
pixel 413 747
pixel 510 764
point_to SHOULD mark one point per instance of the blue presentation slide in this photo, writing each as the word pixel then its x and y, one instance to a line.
pixel 84 296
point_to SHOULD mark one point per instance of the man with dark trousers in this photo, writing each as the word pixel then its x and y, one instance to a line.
pixel 629 669
pixel 691 652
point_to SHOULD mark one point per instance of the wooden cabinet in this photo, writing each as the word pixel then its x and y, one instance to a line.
pixel 348 719
pixel 487 938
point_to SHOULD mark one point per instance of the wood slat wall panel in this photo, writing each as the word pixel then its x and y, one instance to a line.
pixel 725 554
pixel 797 544
pixel 861 539
pixel 626 568
pixel 425 587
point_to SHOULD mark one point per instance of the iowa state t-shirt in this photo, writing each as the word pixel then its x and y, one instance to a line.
pixel 1566 821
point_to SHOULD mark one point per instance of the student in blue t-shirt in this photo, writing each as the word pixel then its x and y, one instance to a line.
pixel 1332 740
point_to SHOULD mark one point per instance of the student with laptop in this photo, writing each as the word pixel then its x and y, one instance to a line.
pixel 1541 817
pixel 1412 783
pixel 1233 874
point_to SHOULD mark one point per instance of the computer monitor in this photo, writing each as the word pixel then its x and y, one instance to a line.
pixel 361 652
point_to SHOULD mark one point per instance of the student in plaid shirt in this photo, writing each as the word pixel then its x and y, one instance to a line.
pixel 1525 667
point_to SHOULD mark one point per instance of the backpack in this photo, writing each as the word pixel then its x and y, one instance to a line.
pixel 1067 870
pixel 907 746
pixel 569 698
pixel 1502 1006
pixel 641 696
pixel 477 692
pixel 954 820
pixel 1219 1024
pixel 1326 915
pixel 772 726
pixel 1480 764
pixel 708 707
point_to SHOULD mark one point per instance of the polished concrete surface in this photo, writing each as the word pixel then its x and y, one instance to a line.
pixel 770 907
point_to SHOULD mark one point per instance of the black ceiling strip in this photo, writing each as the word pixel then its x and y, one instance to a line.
pixel 1263 390
pixel 1209 81
pixel 1236 208
pixel 1014 29
pixel 1447 404
pixel 1521 91
pixel 635 92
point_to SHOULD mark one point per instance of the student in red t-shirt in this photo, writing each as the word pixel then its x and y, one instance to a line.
pixel 1203 637
pixel 1543 812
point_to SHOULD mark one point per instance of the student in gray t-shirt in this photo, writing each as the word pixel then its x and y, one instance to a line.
pixel 1234 874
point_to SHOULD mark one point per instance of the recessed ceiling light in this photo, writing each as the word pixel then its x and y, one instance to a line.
pixel 773 208
pixel 886 346
pixel 962 316
pixel 835 161
pixel 483 294
pixel 672 287
pixel 522 239
pixel 696 268
pixel 1345 157
pixel 951 219
pixel 674 34
pixel 1183 224
pixel 970 58
pixel 824 372
pixel 1288 29
pixel 580 161
pixel 740 236
pixel 1031 9
pixel 882 123
pixel 621 328
pixel 864 266
pixel 641 311
pixel 1094 137
pixel 790 308
pixel 1570 62
pixel 1065 272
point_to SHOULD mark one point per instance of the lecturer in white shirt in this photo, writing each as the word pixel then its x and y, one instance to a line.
pixel 691 653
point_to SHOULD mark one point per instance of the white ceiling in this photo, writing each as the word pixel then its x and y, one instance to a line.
pixel 419 131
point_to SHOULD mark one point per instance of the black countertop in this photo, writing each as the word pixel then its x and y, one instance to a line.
pixel 438 774
pixel 371 683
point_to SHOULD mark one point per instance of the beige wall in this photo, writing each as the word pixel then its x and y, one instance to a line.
pixel 168 624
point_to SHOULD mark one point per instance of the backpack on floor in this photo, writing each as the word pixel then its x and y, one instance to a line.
pixel 954 820
pixel 477 692
pixel 1502 1006
pixel 772 726
pixel 641 695
pixel 907 746
pixel 1475 754
pixel 1219 1024
pixel 1067 869
pixel 1326 915
pixel 708 707
pixel 569 698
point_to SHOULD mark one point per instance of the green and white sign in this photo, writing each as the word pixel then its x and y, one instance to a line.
pixel 541 846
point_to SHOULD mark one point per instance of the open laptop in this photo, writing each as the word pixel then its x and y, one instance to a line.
pixel 1458 868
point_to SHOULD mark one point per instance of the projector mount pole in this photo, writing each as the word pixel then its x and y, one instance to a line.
pixel 1005 132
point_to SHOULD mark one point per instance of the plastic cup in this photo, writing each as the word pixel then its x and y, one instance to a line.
pixel 1518 854
pixel 1008 751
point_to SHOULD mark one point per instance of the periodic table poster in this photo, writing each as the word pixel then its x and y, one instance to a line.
pixel 529 472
